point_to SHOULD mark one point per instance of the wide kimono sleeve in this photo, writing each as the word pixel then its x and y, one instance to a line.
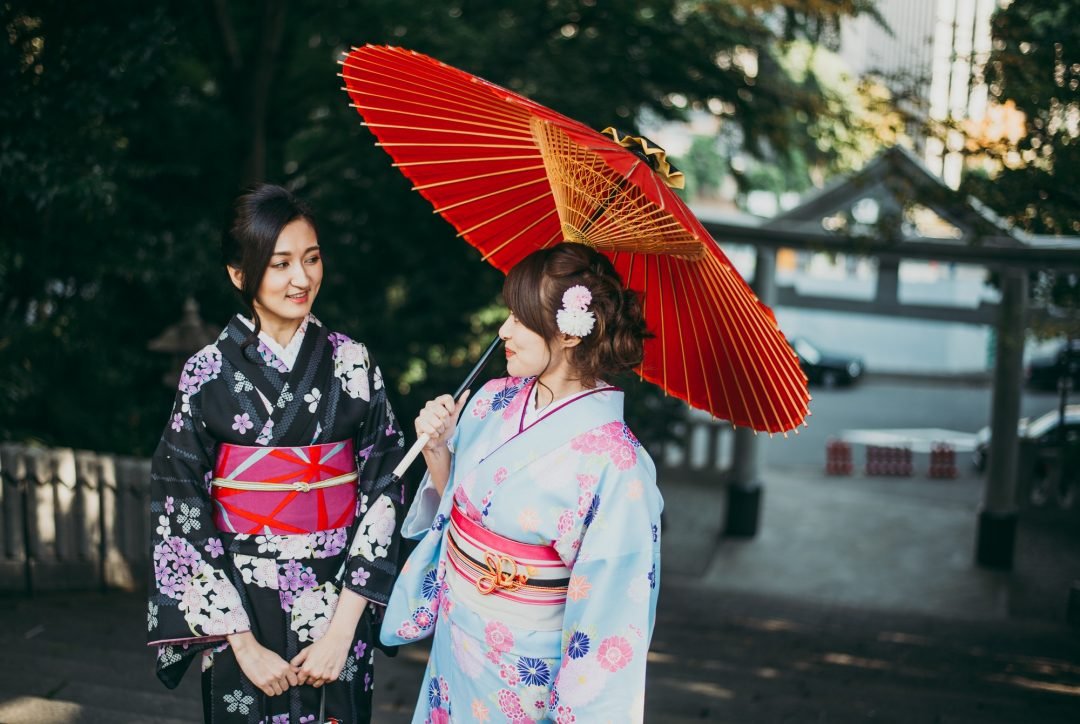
pixel 375 548
pixel 611 601
pixel 192 604
pixel 428 501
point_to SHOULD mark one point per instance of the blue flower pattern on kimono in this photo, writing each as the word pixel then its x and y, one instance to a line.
pixel 593 495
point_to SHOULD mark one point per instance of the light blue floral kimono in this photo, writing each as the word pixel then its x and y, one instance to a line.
pixel 578 480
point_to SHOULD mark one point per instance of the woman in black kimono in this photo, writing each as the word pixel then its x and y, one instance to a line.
pixel 276 523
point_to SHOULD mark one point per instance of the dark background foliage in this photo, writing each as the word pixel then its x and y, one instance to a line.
pixel 126 128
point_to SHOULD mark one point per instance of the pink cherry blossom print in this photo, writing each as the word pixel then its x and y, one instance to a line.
pixel 614 653
pixel 498 637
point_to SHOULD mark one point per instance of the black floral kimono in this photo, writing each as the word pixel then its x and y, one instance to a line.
pixel 209 583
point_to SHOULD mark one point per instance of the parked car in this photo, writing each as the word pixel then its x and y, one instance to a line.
pixel 823 368
pixel 1044 371
pixel 1040 453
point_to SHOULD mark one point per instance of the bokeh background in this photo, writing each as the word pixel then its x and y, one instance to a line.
pixel 127 128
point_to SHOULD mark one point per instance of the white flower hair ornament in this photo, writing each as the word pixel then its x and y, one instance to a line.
pixel 574 318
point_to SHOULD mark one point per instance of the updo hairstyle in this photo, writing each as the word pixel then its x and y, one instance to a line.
pixel 534 290
pixel 258 218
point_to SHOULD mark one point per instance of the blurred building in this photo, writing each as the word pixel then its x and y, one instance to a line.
pixel 934 60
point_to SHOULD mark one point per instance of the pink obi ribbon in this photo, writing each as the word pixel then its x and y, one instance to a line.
pixel 284 490
pixel 496 575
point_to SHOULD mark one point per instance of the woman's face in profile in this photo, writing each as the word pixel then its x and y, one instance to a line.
pixel 292 280
pixel 527 353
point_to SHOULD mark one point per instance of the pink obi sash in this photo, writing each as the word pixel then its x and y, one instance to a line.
pixel 284 490
pixel 522 583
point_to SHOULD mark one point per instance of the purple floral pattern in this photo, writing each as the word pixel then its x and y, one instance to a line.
pixel 209 583
pixel 175 562
pixel 200 369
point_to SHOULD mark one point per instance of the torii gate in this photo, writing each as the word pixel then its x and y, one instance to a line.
pixel 829 221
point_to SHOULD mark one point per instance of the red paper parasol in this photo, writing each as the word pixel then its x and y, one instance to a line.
pixel 514 176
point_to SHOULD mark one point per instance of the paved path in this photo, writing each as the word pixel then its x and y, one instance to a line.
pixel 716 658
pixel 858 601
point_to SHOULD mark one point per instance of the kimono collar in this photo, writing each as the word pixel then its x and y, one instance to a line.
pixel 287 354
pixel 591 408
pixel 530 415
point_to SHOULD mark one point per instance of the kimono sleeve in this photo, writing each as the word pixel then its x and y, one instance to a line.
pixel 426 504
pixel 611 602
pixel 375 548
pixel 425 507
pixel 192 604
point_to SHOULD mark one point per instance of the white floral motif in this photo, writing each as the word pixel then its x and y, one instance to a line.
pixel 312 611
pixel 211 605
pixel 296 546
pixel 238 700
pixel 242 384
pixel 163 529
pixel 529 520
pixel 188 518
pixel 312 398
pixel 285 397
pixel 638 588
pixel 349 670
pixel 351 364
pixel 580 681
pixel 168 655
pixel 268 543
pixel 534 700
pixel 151 617
pixel 574 318
pixel 375 531
pixel 263 572
pixel 467 653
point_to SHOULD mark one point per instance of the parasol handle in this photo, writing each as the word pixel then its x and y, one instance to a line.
pixel 406 461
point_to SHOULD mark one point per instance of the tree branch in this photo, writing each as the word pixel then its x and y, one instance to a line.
pixel 273 29
pixel 228 35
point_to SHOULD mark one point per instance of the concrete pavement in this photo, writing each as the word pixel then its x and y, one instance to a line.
pixel 858 601
pixel 891 544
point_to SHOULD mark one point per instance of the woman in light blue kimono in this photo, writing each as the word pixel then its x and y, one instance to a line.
pixel 539 518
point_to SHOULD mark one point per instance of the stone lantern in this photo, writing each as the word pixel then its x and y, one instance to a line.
pixel 181 340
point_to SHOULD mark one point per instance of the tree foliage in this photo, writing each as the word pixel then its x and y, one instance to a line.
pixel 128 127
pixel 1031 174
pixel 1034 70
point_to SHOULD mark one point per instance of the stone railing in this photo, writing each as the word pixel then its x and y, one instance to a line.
pixel 74 519
pixel 700 453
